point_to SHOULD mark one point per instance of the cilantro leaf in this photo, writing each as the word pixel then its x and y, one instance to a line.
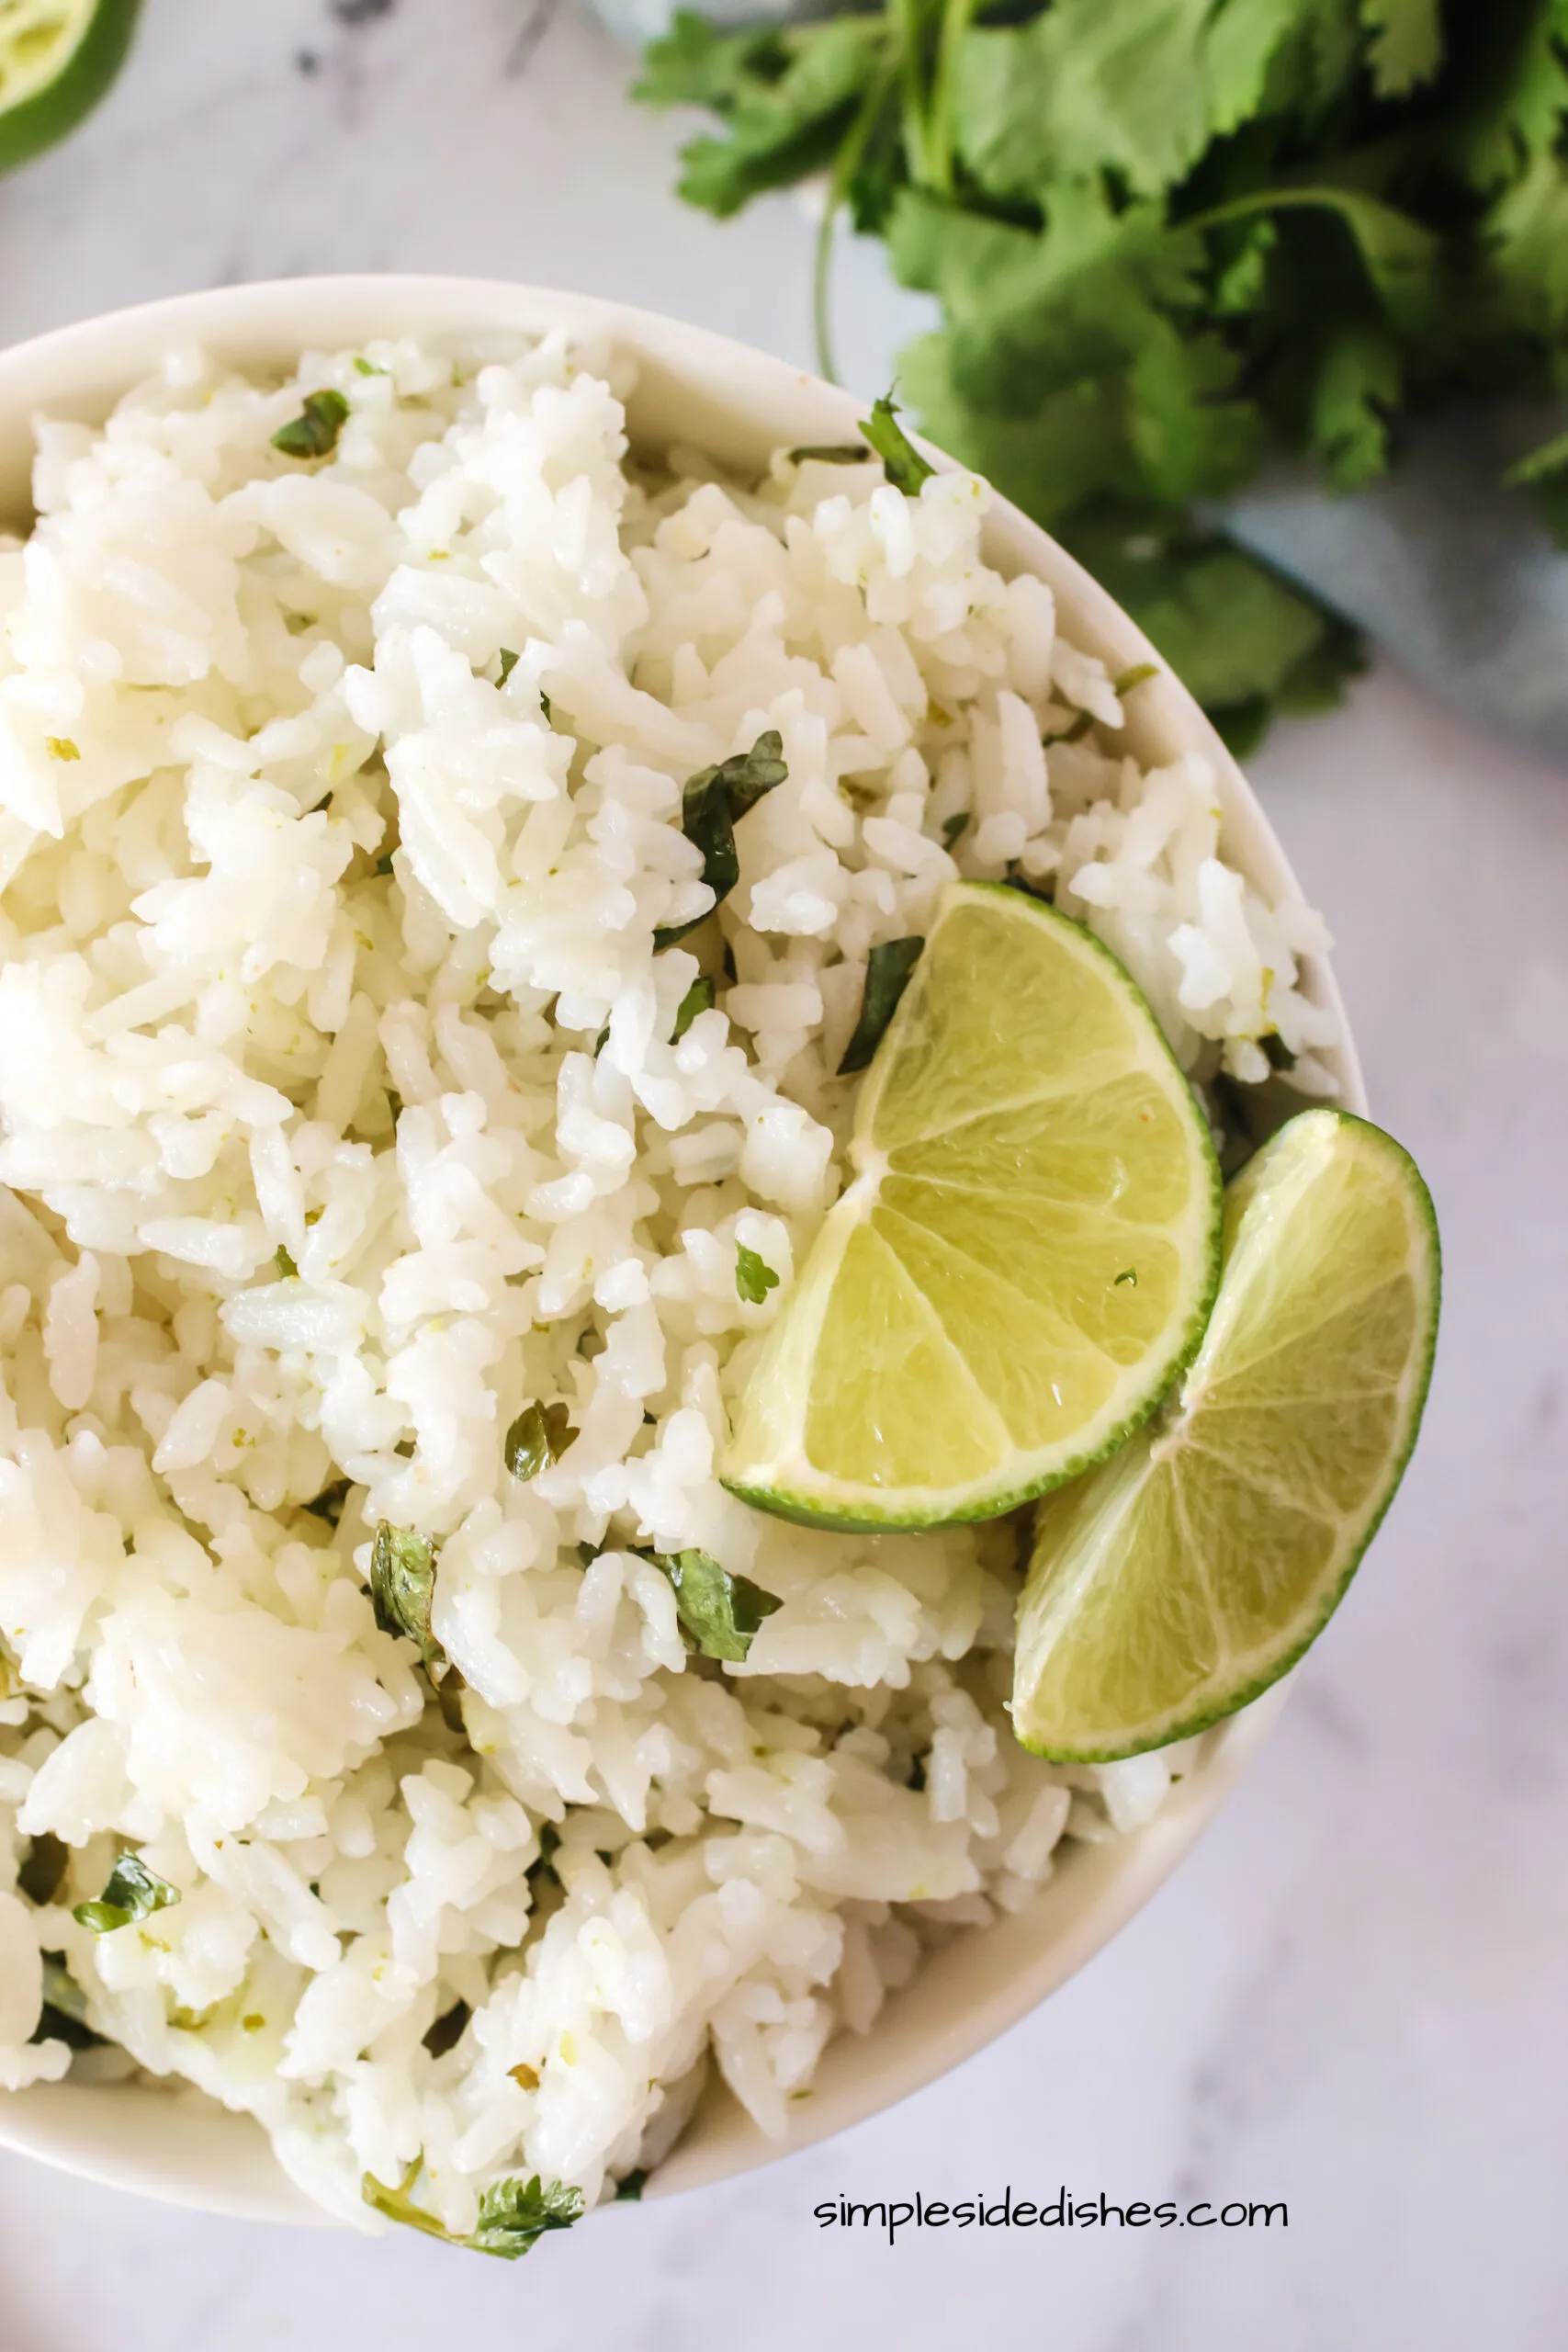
pixel 541 1433
pixel 887 973
pixel 901 461
pixel 695 65
pixel 403 1587
pixel 787 97
pixel 754 1278
pixel 706 822
pixel 832 453
pixel 1227 626
pixel 745 776
pixel 448 2030
pixel 1085 89
pixel 314 431
pixel 64 2014
pixel 1406 47
pixel 721 1613
pixel 515 2215
pixel 507 662
pixel 131 1894
pixel 328 1505
pixel 698 998
pixel 712 803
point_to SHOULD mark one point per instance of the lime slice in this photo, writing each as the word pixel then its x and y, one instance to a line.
pixel 1183 1578
pixel 57 58
pixel 1027 1254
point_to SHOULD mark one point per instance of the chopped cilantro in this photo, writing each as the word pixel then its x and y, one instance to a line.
pixel 1135 676
pixel 288 1271
pixel 131 1894
pixel 447 2030
pixel 745 776
pixel 955 828
pixel 629 2188
pixel 508 663
pixel 901 461
pixel 1076 731
pixel 363 366
pixel 720 1613
pixel 1277 1052
pixel 329 1503
pixel 403 1587
pixel 753 1278
pixel 397 2203
pixel 1128 1275
pixel 40 1873
pixel 64 2014
pixel 833 453
pixel 541 1433
pixel 886 977
pixel 314 431
pixel 712 805
pixel 697 998
pixel 514 2215
pixel 545 706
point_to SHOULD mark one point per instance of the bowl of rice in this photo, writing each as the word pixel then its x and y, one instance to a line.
pixel 359 636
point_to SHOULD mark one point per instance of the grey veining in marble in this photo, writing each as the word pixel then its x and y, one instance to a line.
pixel 1351 1996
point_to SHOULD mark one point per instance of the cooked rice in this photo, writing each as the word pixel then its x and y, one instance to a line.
pixel 324 951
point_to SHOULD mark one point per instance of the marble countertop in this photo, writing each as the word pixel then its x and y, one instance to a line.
pixel 1351 1996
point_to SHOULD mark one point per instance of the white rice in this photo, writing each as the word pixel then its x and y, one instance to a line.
pixel 231 1027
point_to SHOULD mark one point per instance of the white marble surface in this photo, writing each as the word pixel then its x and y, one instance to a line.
pixel 1351 1995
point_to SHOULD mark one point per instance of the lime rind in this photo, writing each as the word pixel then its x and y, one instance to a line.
pixel 778 1391
pixel 1244 1677
pixel 43 97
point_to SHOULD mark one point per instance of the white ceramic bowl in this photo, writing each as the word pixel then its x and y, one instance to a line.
pixel 694 387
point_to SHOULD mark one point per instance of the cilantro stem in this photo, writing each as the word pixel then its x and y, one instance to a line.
pixel 822 283
pixel 905 18
pixel 1540 464
pixel 1346 200
pixel 956 17
pixel 846 163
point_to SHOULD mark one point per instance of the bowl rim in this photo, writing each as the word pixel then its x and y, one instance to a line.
pixel 172 2143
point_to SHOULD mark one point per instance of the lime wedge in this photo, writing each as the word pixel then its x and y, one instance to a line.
pixel 1027 1256
pixel 1183 1578
pixel 57 58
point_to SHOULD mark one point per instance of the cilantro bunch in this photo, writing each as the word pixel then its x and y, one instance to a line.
pixel 1170 240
